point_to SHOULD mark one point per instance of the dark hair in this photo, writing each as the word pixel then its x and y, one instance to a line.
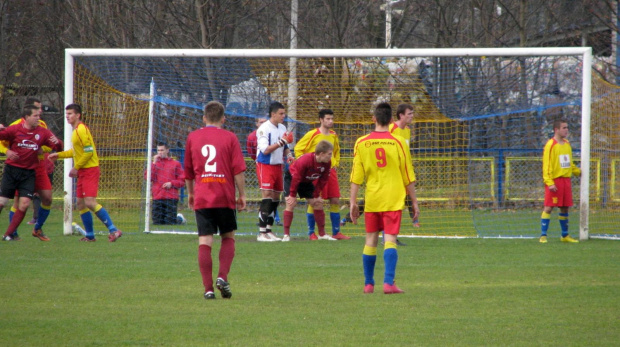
pixel 162 143
pixel 383 113
pixel 558 123
pixel 75 107
pixel 325 111
pixel 31 101
pixel 401 109
pixel 274 107
pixel 214 111
pixel 28 109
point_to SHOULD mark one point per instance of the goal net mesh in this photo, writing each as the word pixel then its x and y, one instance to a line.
pixel 479 127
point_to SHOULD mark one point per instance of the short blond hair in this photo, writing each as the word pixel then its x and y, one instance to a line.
pixel 323 147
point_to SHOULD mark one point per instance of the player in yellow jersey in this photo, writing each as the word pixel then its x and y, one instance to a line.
pixel 42 201
pixel 558 167
pixel 404 117
pixel 86 169
pixel 383 161
pixel 331 191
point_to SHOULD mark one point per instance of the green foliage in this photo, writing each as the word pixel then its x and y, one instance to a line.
pixel 146 290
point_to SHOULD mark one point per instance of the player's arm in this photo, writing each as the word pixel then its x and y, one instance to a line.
pixel 546 170
pixel 575 170
pixel 414 200
pixel 189 187
pixel 240 184
pixel 301 147
pixel 354 209
pixel 357 178
pixel 88 147
pixel 336 153
pixel 61 155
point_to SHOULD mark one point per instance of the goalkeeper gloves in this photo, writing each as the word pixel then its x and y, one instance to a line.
pixel 286 139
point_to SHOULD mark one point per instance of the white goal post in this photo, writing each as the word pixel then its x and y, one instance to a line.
pixel 584 53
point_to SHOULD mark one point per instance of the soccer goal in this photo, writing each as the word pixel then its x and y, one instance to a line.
pixel 482 117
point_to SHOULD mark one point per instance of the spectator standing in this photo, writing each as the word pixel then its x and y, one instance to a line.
pixel 166 180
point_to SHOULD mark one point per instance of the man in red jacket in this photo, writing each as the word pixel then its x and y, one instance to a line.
pixel 309 174
pixel 166 180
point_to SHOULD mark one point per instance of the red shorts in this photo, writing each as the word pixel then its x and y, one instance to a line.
pixel 563 197
pixel 331 189
pixel 88 182
pixel 383 221
pixel 42 179
pixel 270 177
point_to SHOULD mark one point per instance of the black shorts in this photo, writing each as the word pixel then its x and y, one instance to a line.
pixel 17 179
pixel 209 220
pixel 305 190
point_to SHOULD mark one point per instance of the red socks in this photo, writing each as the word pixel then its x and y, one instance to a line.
pixel 227 254
pixel 319 217
pixel 206 266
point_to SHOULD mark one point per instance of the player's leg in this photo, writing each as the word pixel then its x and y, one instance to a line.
pixel 369 254
pixel 227 224
pixel 43 188
pixel 12 210
pixel 206 229
pixel 17 179
pixel 391 224
pixel 90 188
pixel 264 208
pixel 319 217
pixel 23 204
pixel 550 201
pixel 565 193
pixel 36 205
pixel 289 213
pixel 86 217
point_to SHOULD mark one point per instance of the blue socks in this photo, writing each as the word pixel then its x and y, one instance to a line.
pixel 104 217
pixel 369 258
pixel 87 220
pixel 311 222
pixel 335 219
pixel 44 212
pixel 390 257
pixel 544 223
pixel 564 224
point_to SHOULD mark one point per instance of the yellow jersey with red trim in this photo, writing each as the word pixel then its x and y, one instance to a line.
pixel 404 133
pixel 383 160
pixel 558 161
pixel 308 143
pixel 84 152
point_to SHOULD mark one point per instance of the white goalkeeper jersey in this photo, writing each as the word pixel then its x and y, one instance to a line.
pixel 268 134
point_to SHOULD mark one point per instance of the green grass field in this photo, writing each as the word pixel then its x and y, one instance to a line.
pixel 145 290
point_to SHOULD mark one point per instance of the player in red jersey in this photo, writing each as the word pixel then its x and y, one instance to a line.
pixel 42 200
pixel 25 140
pixel 214 166
pixel 309 174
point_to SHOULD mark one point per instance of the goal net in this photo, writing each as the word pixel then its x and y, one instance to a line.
pixel 482 117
